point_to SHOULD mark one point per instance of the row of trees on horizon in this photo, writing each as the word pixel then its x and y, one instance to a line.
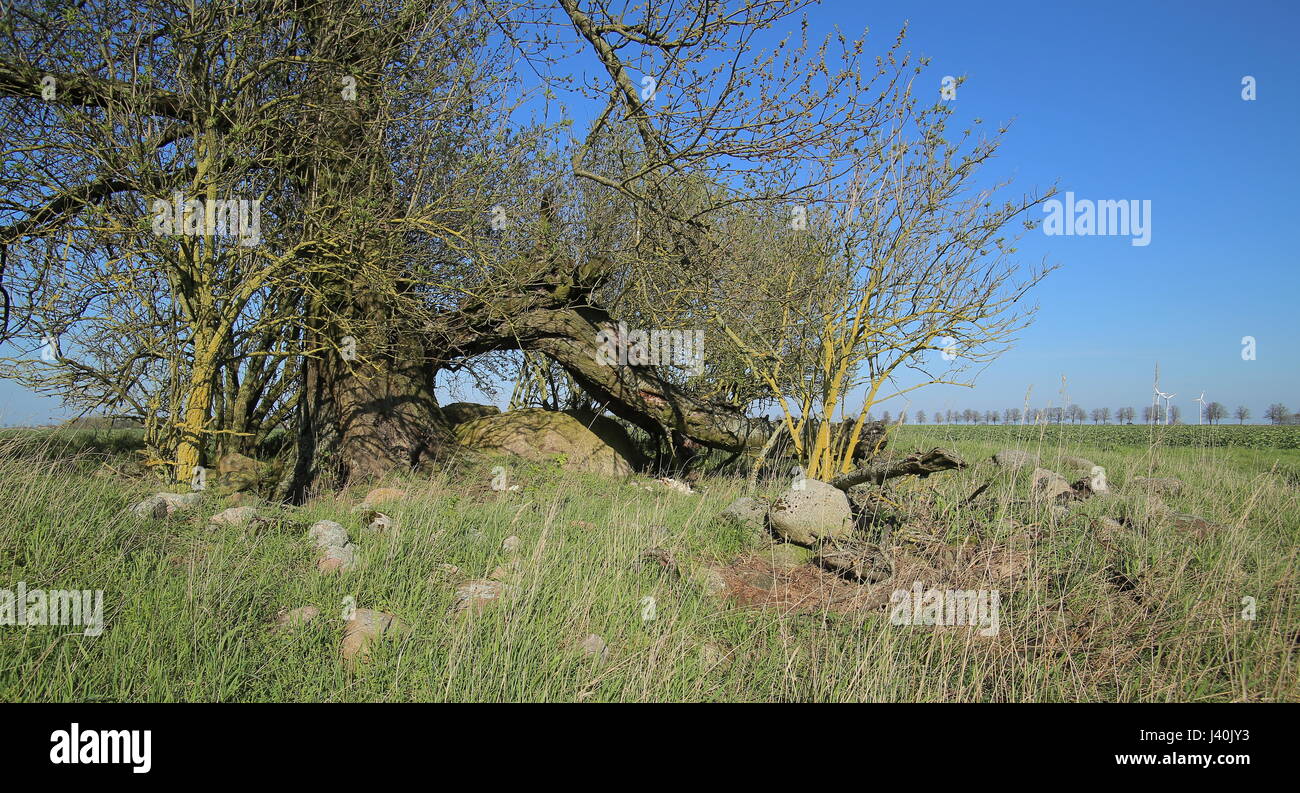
pixel 1213 413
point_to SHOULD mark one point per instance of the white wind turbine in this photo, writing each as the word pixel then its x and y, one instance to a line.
pixel 1166 398
pixel 1155 397
pixel 1200 399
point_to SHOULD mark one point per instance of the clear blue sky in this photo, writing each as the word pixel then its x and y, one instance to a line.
pixel 1120 100
pixel 1137 100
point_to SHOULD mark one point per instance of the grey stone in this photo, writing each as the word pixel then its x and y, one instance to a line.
pixel 327 533
pixel 746 513
pixel 1049 484
pixel 813 512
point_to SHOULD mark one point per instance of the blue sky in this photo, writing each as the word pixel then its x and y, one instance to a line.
pixel 1137 100
pixel 1119 100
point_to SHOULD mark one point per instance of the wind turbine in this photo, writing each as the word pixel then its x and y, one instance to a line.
pixel 1166 398
pixel 1155 396
pixel 1200 399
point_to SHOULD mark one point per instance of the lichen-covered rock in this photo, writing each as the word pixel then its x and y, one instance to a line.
pixel 811 511
pixel 785 556
pixel 461 412
pixel 544 435
pixel 327 532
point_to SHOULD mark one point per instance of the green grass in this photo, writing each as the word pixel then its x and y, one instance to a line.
pixel 188 610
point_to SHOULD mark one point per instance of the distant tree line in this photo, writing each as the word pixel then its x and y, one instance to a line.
pixel 1213 413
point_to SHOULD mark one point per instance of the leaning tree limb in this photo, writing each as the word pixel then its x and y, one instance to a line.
pixel 920 464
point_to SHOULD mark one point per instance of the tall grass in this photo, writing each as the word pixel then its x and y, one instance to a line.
pixel 188 609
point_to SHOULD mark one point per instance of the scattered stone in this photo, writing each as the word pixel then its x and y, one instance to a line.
pixel 746 513
pixel 287 621
pixel 363 630
pixel 1077 463
pixel 786 556
pixel 339 553
pixel 1014 458
pixel 759 580
pixel 544 435
pixel 676 485
pixel 474 596
pixel 1165 486
pixel 327 533
pixel 164 505
pixel 713 655
pixel 235 516
pixel 815 512
pixel 659 560
pixel 381 495
pixel 338 559
pixel 861 562
pixel 152 508
pixel 1194 524
pixel 510 544
pixel 709 579
pixel 595 646
pixel 508 573
pixel 381 522
pixel 1049 484
pixel 238 472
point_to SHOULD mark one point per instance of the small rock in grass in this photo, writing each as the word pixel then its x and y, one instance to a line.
pixel 327 533
pixel 510 544
pixel 288 620
pixel 381 522
pixel 163 505
pixel 595 646
pixel 746 513
pixel 474 596
pixel 1049 484
pixel 381 495
pixel 709 579
pixel 235 516
pixel 338 559
pixel 361 632
pixel 811 511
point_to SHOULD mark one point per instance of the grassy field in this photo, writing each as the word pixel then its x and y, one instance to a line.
pixel 1144 614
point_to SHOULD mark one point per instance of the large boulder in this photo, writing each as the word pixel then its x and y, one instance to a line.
pixel 540 435
pixel 461 412
pixel 237 473
pixel 613 434
pixel 811 511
